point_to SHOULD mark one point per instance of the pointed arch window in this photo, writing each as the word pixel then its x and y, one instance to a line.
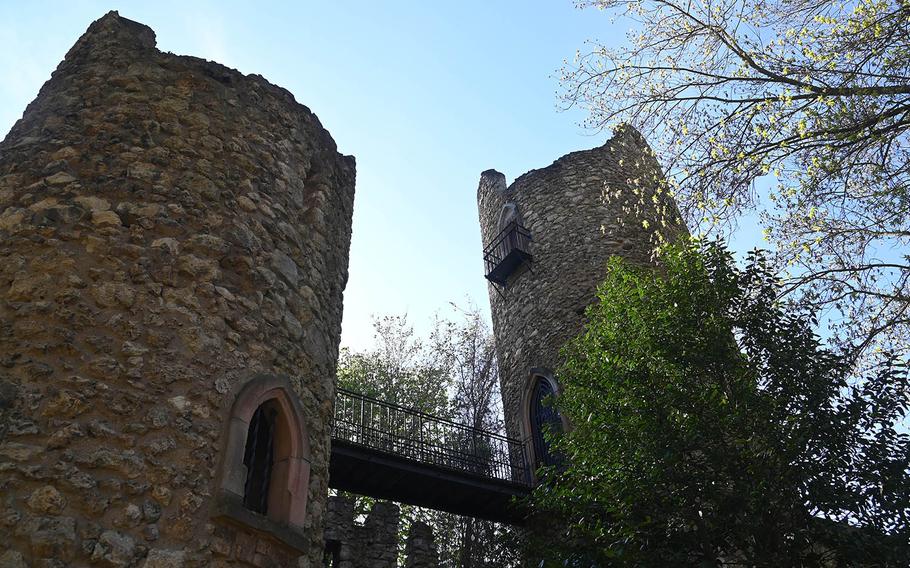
pixel 543 419
pixel 258 458
pixel 508 215
pixel 265 469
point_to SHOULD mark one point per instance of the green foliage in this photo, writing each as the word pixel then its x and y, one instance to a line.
pixel 400 369
pixel 710 427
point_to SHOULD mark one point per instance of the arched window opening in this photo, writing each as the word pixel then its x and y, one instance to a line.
pixel 266 464
pixel 258 457
pixel 544 419
pixel 509 221
pixel 508 214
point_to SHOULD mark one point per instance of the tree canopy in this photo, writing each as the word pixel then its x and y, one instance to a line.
pixel 710 427
pixel 811 96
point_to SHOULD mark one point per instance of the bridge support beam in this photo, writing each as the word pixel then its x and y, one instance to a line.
pixel 382 475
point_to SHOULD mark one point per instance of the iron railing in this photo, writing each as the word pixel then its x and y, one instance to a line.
pixel 427 439
pixel 506 252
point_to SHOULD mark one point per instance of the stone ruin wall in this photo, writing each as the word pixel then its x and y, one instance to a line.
pixel 169 228
pixel 420 547
pixel 374 544
pixel 581 210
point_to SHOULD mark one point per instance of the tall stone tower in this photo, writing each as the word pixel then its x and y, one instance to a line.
pixel 547 239
pixel 174 244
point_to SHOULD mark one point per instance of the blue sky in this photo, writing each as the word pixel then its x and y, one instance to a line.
pixel 425 94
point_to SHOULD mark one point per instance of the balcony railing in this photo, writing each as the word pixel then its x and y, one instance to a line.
pixel 427 439
pixel 508 251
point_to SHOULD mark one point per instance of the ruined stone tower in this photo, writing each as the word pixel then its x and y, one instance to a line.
pixel 174 241
pixel 547 239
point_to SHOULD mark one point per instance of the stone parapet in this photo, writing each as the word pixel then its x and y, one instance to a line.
pixel 374 544
pixel 420 548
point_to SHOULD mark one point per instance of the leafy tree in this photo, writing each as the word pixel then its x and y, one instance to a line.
pixel 467 347
pixel 710 427
pixel 813 94
pixel 451 374
pixel 400 369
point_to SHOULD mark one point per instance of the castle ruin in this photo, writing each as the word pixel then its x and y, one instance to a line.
pixel 175 241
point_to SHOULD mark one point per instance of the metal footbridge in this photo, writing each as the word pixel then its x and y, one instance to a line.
pixel 391 452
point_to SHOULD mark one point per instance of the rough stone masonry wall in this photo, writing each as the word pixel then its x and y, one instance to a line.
pixel 420 548
pixel 581 210
pixel 168 228
pixel 374 544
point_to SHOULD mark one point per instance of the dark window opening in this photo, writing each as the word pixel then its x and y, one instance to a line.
pixel 332 556
pixel 258 458
pixel 544 419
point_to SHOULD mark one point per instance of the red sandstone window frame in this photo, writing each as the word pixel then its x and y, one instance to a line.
pixel 289 483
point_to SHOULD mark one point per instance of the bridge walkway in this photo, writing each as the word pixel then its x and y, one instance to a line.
pixel 391 452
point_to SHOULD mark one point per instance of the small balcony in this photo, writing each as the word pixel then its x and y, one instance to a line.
pixel 507 253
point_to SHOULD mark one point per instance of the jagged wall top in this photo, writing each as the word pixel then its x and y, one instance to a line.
pixel 112 31
pixel 113 40
pixel 625 135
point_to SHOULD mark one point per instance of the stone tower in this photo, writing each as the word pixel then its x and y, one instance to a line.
pixel 547 239
pixel 174 244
